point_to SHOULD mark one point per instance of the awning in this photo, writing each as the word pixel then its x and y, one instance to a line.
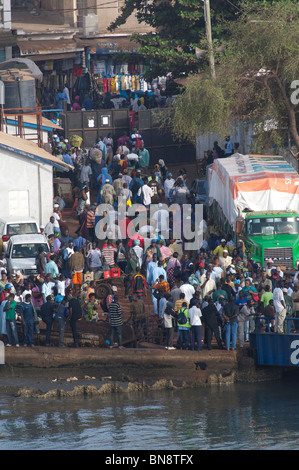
pixel 111 45
pixel 41 50
pixel 29 149
pixel 30 120
pixel 7 38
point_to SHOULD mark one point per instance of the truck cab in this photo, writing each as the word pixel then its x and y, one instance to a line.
pixel 272 235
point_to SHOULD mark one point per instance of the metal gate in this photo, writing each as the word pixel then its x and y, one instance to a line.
pixel 93 124
pixel 157 139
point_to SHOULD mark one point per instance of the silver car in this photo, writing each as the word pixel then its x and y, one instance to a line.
pixel 22 251
pixel 11 226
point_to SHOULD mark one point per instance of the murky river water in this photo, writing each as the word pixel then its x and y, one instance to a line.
pixel 252 416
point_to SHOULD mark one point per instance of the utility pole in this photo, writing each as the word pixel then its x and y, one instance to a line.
pixel 207 15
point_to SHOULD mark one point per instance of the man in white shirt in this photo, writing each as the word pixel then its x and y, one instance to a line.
pixel 188 290
pixel 56 218
pixel 195 322
pixel 49 228
pixel 168 185
pixel 66 91
pixel 94 258
pixel 207 286
pixel 70 250
pixel 145 193
pixel 47 287
pixel 136 253
pixel 280 308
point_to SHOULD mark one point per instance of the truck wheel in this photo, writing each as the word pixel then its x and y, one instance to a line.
pixel 102 290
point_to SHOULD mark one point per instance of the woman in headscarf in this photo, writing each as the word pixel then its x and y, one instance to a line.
pixel 97 164
pixel 102 178
pixel 151 250
pixel 166 253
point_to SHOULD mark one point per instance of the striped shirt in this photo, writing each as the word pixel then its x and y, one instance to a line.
pixel 108 253
pixel 90 220
pixel 115 314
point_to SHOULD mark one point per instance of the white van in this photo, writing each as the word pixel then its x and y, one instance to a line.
pixel 22 251
pixel 16 226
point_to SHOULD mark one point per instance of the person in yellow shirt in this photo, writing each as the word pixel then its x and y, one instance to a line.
pixel 219 249
pixel 179 303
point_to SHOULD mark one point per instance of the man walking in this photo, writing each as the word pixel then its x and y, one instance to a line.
pixel 195 321
pixel 115 315
pixel 75 313
pixel 280 308
pixel 210 318
pixel 138 314
pixel 27 315
pixel 230 314
pixel 47 314
pixel 76 264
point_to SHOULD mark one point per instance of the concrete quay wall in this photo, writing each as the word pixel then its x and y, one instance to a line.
pixel 51 371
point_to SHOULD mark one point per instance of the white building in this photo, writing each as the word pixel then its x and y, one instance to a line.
pixel 26 181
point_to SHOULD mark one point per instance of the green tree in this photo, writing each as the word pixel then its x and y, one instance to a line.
pixel 179 28
pixel 255 78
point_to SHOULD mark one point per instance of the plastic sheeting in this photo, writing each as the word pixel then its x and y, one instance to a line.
pixel 35 70
pixel 253 182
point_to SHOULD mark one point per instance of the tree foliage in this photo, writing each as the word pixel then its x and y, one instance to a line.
pixel 253 78
pixel 179 28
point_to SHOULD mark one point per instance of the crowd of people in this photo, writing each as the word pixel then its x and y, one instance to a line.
pixel 218 285
pixel 134 101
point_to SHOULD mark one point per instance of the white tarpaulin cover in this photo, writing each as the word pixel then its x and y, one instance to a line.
pixel 253 182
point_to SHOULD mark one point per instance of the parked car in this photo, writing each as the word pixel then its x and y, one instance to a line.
pixel 16 226
pixel 22 251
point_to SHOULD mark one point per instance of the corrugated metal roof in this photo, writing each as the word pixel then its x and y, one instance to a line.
pixel 32 119
pixel 29 149
pixel 7 38
pixel 56 46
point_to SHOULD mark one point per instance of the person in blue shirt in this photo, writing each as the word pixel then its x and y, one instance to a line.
pixel 67 158
pixel 241 299
pixel 228 147
pixel 61 97
pixel 87 103
pixel 150 269
pixel 103 176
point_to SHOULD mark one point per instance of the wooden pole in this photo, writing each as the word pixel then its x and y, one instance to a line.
pixel 209 37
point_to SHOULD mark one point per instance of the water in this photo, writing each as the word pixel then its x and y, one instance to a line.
pixel 245 417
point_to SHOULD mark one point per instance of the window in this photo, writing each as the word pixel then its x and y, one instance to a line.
pixel 273 226
pixel 27 250
pixel 21 229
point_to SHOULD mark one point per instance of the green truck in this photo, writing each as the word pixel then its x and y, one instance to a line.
pixel 255 199
pixel 271 235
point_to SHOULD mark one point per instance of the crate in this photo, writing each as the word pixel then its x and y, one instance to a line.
pixel 88 277
pixel 115 272
pixel 107 274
